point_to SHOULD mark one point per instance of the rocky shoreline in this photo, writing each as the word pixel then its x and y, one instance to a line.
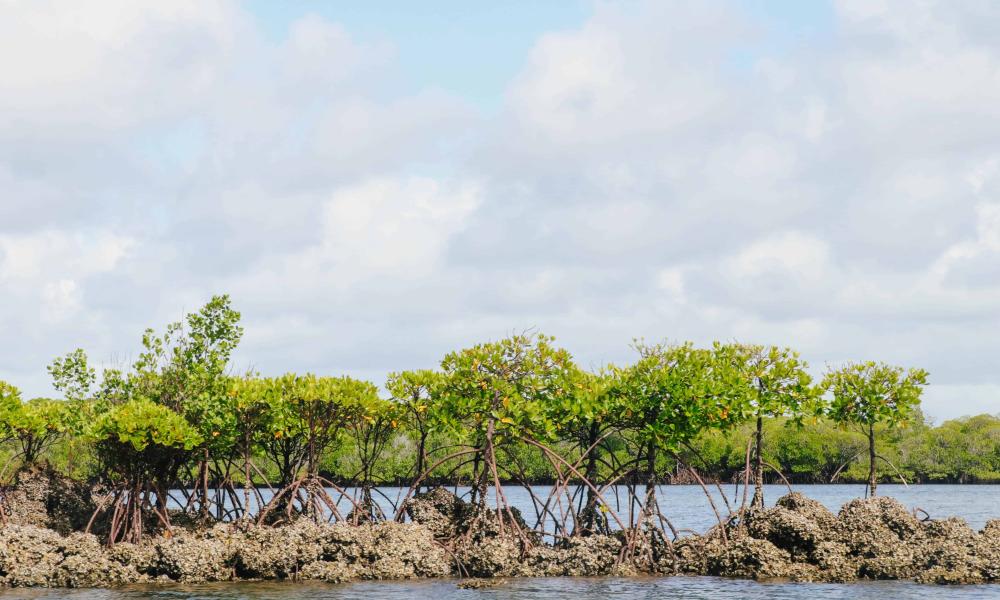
pixel 797 540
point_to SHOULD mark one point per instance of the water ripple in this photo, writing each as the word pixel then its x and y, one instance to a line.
pixel 525 589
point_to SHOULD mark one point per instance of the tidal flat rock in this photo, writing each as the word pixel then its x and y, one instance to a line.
pixel 35 557
pixel 589 556
pixel 478 583
pixel 813 510
pixel 483 544
pixel 403 551
pixel 875 527
pixel 987 548
pixel 796 540
pixel 439 510
pixel 29 555
pixel 266 552
pixel 874 538
pixel 42 497
pixel 789 530
pixel 949 554
pixel 751 558
pixel 198 556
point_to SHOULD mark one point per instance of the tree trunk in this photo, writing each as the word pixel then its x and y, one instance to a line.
pixel 289 471
pixel 872 483
pixel 590 515
pixel 476 459
pixel 650 505
pixel 247 481
pixel 312 451
pixel 758 466
pixel 489 462
pixel 204 512
pixel 421 455
pixel 591 471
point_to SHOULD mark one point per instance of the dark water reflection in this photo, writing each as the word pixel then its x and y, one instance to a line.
pixel 526 589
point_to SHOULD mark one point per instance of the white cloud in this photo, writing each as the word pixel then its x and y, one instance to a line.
pixel 659 171
pixel 60 300
pixel 408 222
pixel 111 64
pixel 788 255
pixel 389 228
pixel 48 254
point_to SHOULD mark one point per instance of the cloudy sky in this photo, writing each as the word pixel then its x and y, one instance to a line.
pixel 376 186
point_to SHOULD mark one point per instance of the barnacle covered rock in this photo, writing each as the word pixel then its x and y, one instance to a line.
pixel 43 497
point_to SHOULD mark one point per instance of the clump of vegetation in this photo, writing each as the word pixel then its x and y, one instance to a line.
pixel 304 418
pixel 31 427
pixel 414 392
pixel 142 445
pixel 778 386
pixel 176 433
pixel 670 395
pixel 491 398
pixel 870 394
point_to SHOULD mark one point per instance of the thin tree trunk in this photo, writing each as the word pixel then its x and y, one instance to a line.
pixel 204 485
pixel 489 462
pixel 590 512
pixel 312 450
pixel 758 466
pixel 247 481
pixel 650 504
pixel 476 478
pixel 872 483
pixel 421 454
pixel 591 472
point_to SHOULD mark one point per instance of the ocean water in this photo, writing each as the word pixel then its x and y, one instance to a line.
pixel 688 507
pixel 526 589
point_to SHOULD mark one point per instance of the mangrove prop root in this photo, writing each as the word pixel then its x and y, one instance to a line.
pixel 780 474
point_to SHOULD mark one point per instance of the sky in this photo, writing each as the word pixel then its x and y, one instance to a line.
pixel 380 183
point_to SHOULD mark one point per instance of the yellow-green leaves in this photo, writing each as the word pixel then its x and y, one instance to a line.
pixel 39 417
pixel 72 375
pixel 871 392
pixel 10 406
pixel 674 392
pixel 141 423
pixel 775 380
pixel 32 425
pixel 300 416
pixel 415 391
pixel 510 385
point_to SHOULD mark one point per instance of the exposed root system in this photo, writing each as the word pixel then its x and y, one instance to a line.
pixel 797 540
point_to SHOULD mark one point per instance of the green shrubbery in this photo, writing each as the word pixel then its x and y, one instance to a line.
pixel 514 410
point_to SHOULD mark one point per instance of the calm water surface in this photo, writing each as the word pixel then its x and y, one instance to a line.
pixel 527 589
pixel 688 507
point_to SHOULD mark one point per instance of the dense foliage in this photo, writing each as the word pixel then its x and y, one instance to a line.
pixel 179 422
